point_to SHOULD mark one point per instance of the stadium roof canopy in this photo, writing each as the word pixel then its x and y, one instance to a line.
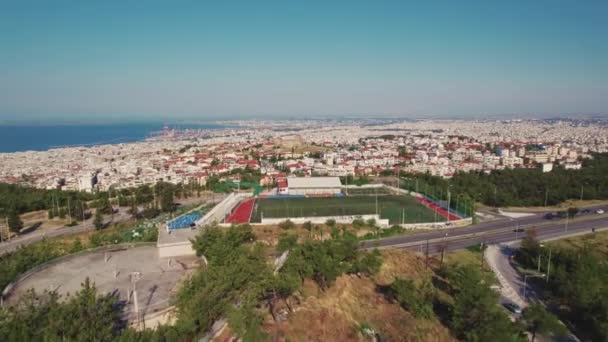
pixel 313 182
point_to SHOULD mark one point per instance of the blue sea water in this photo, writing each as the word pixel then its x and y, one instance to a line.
pixel 14 138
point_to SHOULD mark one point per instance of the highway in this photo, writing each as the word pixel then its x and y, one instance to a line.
pixel 498 231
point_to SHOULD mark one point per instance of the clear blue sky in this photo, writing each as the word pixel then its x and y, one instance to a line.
pixel 137 60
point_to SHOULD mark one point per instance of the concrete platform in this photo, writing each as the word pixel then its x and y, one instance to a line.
pixel 176 243
pixel 112 272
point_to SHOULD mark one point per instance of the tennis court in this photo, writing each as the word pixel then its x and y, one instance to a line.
pixel 397 209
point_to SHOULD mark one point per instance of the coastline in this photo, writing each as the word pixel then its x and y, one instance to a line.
pixel 24 138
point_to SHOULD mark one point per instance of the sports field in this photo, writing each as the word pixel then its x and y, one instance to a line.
pixel 394 208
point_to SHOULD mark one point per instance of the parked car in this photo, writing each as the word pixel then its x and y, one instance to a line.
pixel 599 211
pixel 549 216
pixel 519 230
pixel 514 308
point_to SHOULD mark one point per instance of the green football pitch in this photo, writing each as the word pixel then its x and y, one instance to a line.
pixel 394 208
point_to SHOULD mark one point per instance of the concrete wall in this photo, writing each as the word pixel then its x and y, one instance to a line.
pixel 170 250
pixel 438 225
pixel 314 191
pixel 363 186
pixel 219 212
pixel 321 219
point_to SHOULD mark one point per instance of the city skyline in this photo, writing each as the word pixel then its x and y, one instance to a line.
pixel 110 62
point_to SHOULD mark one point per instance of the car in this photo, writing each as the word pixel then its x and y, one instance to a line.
pixel 585 211
pixel 514 308
pixel 549 216
pixel 599 211
pixel 518 230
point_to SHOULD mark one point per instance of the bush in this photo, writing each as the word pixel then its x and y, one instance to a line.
pixel 287 241
pixel 287 224
pixel 150 213
pixel 358 223
pixel 417 300
pixel 369 264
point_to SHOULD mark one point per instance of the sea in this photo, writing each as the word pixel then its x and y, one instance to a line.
pixel 16 138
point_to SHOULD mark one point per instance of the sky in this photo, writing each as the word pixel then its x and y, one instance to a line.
pixel 90 61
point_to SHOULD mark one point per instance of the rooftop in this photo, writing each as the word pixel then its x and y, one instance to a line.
pixel 314 182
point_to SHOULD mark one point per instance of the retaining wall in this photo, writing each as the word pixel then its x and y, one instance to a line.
pixel 438 225
pixel 322 219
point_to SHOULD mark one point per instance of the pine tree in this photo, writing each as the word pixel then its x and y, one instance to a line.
pixel 14 221
pixel 98 221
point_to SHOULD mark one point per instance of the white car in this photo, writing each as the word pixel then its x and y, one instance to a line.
pixel 599 211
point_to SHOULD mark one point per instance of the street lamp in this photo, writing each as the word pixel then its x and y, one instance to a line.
pixel 548 263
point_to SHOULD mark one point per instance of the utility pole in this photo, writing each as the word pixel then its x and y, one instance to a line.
pixel 449 203
pixel 134 278
pixel 376 191
pixel 69 209
pixel 582 186
pixel 549 265
pixel 567 217
pixel 427 255
pixel 398 177
pixel 481 254
pixel 546 196
pixel 538 263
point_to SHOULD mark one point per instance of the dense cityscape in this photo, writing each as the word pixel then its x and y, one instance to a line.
pixel 281 171
pixel 307 148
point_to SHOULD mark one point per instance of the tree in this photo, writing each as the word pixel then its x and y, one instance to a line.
pixel 98 220
pixel 133 210
pixel 308 226
pixel 85 316
pixel 286 242
pixel 14 221
pixel 369 264
pixel 330 223
pixel 572 211
pixel 165 192
pixel 539 321
pixel 417 300
pixel 529 250
pixel 144 195
pixel 475 313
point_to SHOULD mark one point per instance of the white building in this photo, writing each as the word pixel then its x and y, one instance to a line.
pixel 313 186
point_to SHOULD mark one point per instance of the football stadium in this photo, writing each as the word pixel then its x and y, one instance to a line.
pixel 325 197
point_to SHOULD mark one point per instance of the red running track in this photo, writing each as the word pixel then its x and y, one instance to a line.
pixel 437 208
pixel 242 213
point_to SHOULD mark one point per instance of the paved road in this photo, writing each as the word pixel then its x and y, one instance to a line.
pixel 121 216
pixel 503 230
pixel 87 225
